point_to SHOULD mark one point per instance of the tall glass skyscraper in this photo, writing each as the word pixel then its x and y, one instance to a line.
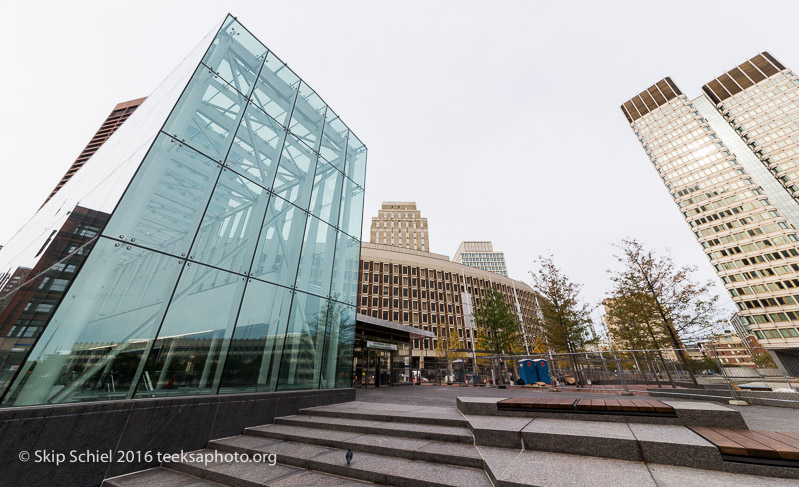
pixel 730 160
pixel 210 245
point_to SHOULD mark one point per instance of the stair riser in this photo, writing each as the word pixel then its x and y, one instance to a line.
pixel 379 450
pixel 420 435
pixel 619 449
pixel 385 417
pixel 632 450
pixel 342 470
pixel 221 478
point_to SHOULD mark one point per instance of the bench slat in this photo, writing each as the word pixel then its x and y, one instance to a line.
pixel 790 439
pixel 566 404
pixel 784 451
pixel 755 448
pixel 660 407
pixel 643 405
pixel 612 405
pixel 627 405
pixel 584 404
pixel 598 405
pixel 724 444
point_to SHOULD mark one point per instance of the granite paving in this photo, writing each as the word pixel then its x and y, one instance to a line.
pixel 158 477
pixel 756 417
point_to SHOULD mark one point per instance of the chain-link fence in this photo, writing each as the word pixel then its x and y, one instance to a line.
pixel 683 373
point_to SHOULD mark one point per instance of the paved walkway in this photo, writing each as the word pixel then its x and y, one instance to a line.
pixel 756 417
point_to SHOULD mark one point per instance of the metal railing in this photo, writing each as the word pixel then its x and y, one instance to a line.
pixel 685 373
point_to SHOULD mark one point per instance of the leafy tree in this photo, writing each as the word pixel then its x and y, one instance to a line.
pixel 447 343
pixel 498 325
pixel 566 320
pixel 675 304
pixel 763 360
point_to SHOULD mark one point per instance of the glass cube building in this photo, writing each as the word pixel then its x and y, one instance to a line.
pixel 210 246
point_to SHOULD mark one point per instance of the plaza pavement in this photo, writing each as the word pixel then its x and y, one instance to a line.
pixel 756 417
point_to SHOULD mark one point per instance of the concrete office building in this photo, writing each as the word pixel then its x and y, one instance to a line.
pixel 729 159
pixel 482 256
pixel 429 292
pixel 400 224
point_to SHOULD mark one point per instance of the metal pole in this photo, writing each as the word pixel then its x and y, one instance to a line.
pixel 618 367
pixel 724 373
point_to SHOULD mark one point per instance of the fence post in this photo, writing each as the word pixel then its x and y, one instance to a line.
pixel 621 372
pixel 735 399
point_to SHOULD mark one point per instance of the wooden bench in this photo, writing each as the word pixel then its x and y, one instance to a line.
pixel 595 406
pixel 524 403
pixel 767 447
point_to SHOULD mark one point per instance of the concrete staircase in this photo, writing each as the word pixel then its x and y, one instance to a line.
pixel 408 445
pixel 389 449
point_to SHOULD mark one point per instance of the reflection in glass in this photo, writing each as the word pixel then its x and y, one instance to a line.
pixel 345 270
pixel 316 259
pixel 325 198
pixel 339 341
pixel 28 297
pixel 187 355
pixel 97 337
pixel 295 172
pixel 279 245
pixel 207 114
pixel 302 352
pixel 232 222
pixel 355 167
pixel 254 355
pixel 256 147
pixel 164 204
pixel 334 140
pixel 351 208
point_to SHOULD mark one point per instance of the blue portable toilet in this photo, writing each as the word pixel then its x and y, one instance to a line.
pixel 542 370
pixel 528 371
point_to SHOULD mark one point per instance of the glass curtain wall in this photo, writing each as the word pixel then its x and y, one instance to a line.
pixel 228 264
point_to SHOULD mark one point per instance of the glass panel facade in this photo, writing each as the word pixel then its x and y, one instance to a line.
pixel 301 362
pixel 253 358
pixel 339 340
pixel 218 254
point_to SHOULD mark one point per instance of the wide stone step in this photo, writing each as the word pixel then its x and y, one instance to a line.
pixel 456 434
pixel 685 413
pixel 462 454
pixel 254 474
pixel 159 476
pixel 441 416
pixel 380 469
pixel 666 444
pixel 514 468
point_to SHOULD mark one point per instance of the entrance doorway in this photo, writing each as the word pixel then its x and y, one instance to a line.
pixel 379 368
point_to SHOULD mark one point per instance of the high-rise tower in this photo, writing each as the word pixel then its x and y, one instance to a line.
pixel 115 119
pixel 400 224
pixel 728 158
pixel 482 256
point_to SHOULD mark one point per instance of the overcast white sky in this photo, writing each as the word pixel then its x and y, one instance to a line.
pixel 500 119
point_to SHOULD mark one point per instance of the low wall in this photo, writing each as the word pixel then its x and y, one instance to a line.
pixel 125 431
pixel 760 398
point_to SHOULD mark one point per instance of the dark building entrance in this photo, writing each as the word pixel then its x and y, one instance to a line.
pixel 382 354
